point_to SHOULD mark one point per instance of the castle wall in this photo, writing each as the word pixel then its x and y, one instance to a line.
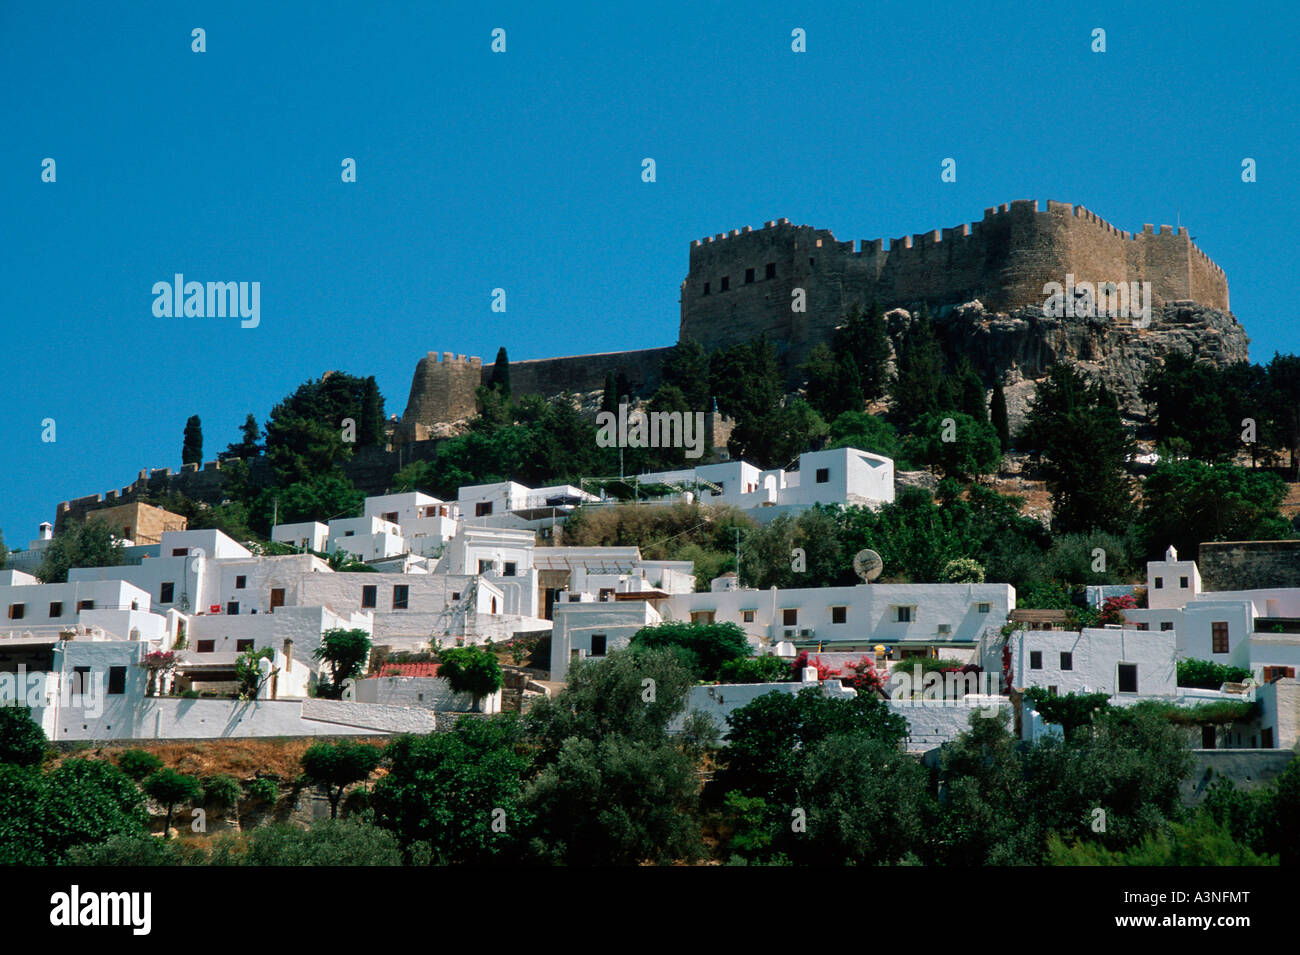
pixel 576 373
pixel 442 389
pixel 1004 260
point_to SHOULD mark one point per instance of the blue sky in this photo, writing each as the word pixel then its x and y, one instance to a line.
pixel 522 170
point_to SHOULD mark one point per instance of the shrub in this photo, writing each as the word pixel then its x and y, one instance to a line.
pixel 223 791
pixel 471 670
pixel 1207 675
pixel 138 763
pixel 262 790
pixel 22 741
pixel 766 669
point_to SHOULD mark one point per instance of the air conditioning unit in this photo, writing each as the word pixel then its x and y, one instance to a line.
pixel 788 633
pixel 945 629
pixel 805 634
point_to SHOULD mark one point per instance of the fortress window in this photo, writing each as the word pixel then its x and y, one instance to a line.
pixel 749 276
pixel 726 283
pixel 812 263
pixel 706 288
pixel 771 271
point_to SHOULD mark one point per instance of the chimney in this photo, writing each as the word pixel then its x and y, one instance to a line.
pixel 46 530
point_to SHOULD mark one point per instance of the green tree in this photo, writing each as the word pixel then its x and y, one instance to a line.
pixel 249 444
pixel 955 444
pixel 918 382
pixel 192 449
pixel 1188 402
pixel 335 766
pixel 346 652
pixel 834 384
pixel 331 842
pixel 1283 404
pixel 1186 502
pixel 88 543
pixel 22 741
pixel 4 552
pixel 457 793
pixel 686 367
pixel 247 674
pixel 608 397
pixel 1078 438
pixel 471 670
pixel 864 338
pixel 500 378
pixel 857 429
pixel 169 788
pixel 704 647
pixel 998 416
pixel 304 432
pixel 865 799
pixel 138 763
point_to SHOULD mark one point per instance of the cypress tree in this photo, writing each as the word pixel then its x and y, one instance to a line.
pixel 500 380
pixel 192 448
pixel 609 400
pixel 998 413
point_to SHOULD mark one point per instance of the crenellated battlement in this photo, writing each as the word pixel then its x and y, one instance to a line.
pixel 741 283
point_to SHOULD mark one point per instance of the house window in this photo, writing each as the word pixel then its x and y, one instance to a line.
pixel 725 285
pixel 702 616
pixel 1144 626
pixel 1160 583
pixel 1182 582
pixel 839 614
pixel 1067 661
pixel 1278 673
pixel 1166 625
pixel 240 582
pixel 17 611
pixel 575 598
pixel 606 593
pixel 770 271
pixel 368 593
pixel 56 608
pixel 205 646
pixel 983 608
pixel 1128 678
pixel 509 570
pixel 1219 637
pixel 180 551
pixel 243 646
pixel 116 681
pixel 348 533
pixel 823 475
pixel 485 566
pixel 1035 659
pixel 706 288
pixel 167 592
pixel 455 595
pixel 904 615
pixel 277 598
pixel 790 616
pixel 85 605
pixel 232 607
pixel 597 645
pixel 391 517
pixel 401 594
pixel 747 616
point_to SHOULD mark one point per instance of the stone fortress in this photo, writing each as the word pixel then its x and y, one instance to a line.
pixel 983 281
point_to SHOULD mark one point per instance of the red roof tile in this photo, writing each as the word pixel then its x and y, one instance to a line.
pixel 409 669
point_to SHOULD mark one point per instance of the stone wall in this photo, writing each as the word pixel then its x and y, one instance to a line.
pixel 578 373
pixel 1004 261
pixel 1249 565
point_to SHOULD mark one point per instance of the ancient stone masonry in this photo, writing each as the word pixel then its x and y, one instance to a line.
pixel 1249 565
pixel 741 284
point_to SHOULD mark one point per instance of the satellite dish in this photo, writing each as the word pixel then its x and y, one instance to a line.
pixel 867 565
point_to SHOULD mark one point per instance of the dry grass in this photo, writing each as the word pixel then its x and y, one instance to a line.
pixel 242 758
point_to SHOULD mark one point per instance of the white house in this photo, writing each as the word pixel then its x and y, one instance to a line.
pixel 590 628
pixel 902 616
pixel 365 538
pixel 309 535
pixel 1118 661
